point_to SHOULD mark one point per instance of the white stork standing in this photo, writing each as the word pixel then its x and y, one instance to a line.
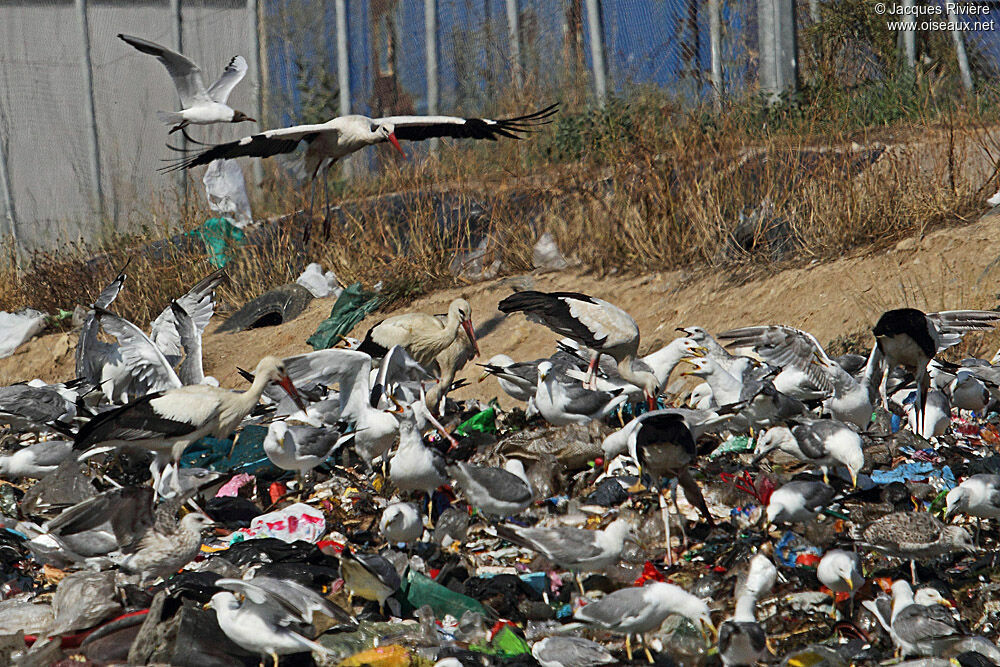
pixel 166 422
pixel 423 336
pixel 910 338
pixel 202 106
pixel 344 135
pixel 603 327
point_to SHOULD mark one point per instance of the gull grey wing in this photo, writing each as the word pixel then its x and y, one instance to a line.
pixel 150 369
pixel 501 484
pixel 785 346
pixel 816 495
pixel 616 608
pixel 313 441
pixel 185 73
pixel 232 75
pixel 91 352
pixel 38 405
pixel 729 630
pixel 198 303
pixel 303 599
pixel 563 544
pixel 583 401
pixel 917 623
pixel 190 371
pixel 812 435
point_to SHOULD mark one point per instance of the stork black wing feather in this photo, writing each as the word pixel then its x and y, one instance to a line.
pixel 135 421
pixel 478 128
pixel 260 145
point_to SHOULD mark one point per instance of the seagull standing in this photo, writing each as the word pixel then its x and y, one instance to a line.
pixel 742 640
pixel 978 496
pixel 576 549
pixel 840 571
pixel 201 106
pixel 414 466
pixel 562 404
pixel 35 461
pixel 915 535
pixel 798 502
pixel 401 523
pixel 273 617
pixel 496 492
pixel 822 442
pixel 636 611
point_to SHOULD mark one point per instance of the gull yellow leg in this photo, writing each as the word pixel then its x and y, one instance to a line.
pixel 628 647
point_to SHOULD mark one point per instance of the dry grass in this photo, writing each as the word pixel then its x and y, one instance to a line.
pixel 634 187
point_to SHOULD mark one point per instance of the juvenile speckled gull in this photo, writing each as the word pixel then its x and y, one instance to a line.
pixel 915 535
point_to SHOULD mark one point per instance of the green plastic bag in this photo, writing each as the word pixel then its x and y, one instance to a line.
pixel 219 236
pixel 419 590
pixel 351 307
pixel 484 421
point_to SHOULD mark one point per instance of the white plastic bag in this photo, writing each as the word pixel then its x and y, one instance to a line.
pixel 295 522
pixel 227 191
pixel 318 283
pixel 18 328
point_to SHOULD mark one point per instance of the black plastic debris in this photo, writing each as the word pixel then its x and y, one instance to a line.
pixel 609 493
pixel 232 511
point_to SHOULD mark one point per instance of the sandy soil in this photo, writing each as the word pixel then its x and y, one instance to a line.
pixel 948 269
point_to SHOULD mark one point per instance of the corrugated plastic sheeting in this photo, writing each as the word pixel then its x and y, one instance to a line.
pixel 42 103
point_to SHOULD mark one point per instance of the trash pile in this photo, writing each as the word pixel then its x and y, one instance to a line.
pixel 343 510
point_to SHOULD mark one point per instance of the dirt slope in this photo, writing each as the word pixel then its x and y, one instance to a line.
pixel 948 269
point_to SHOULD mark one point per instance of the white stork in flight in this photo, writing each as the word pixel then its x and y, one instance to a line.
pixel 603 327
pixel 344 135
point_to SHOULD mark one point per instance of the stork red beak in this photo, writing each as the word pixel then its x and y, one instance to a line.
pixel 650 402
pixel 286 384
pixel 395 142
pixel 467 325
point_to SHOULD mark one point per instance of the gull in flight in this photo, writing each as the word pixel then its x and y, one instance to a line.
pixel 201 105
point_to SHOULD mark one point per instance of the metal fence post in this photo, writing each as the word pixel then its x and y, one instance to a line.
pixel 254 8
pixel 96 192
pixel 597 49
pixel 178 25
pixel 343 73
pixel 715 40
pixel 960 54
pixel 778 61
pixel 909 37
pixel 514 32
pixel 430 30
pixel 8 194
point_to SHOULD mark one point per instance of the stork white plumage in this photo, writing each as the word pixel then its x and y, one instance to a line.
pixel 166 422
pixel 602 326
pixel 344 135
pixel 201 105
pixel 423 336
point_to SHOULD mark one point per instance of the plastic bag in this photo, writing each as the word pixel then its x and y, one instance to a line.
pixel 351 307
pixel 219 236
pixel 227 191
pixel 18 328
pixel 292 523
pixel 320 284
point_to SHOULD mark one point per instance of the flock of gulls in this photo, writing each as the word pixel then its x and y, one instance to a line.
pixel 743 505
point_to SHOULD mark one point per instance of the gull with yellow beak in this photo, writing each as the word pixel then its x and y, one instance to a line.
pixel 822 442
pixel 840 571
pixel 636 611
